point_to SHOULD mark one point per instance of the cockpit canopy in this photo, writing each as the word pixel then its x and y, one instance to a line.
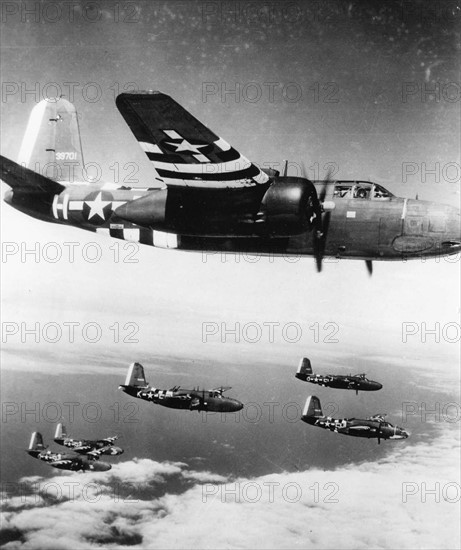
pixel 360 190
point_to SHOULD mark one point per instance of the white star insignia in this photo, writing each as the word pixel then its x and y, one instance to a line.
pixel 97 207
pixel 186 146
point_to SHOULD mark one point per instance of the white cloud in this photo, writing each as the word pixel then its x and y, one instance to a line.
pixel 373 504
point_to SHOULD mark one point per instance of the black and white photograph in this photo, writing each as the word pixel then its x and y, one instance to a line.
pixel 230 274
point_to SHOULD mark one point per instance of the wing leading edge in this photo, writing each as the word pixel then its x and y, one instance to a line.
pixel 182 150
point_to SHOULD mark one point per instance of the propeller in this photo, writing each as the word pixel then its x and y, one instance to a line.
pixel 369 265
pixel 322 218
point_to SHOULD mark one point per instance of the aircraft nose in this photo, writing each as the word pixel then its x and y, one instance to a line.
pixel 450 242
pixel 375 386
pixel 400 433
pixel 102 466
pixel 236 405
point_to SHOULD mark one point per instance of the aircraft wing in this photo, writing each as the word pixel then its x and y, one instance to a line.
pixel 19 177
pixel 110 440
pixel 222 389
pixel 82 448
pixel 361 428
pixel 61 463
pixel 182 150
pixel 96 453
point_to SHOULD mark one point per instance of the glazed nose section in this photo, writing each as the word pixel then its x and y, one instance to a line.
pixel 117 450
pixel 400 433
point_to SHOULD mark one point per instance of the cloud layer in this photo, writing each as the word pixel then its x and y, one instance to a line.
pixel 147 504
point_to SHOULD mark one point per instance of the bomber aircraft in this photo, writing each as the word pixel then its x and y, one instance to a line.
pixel 64 461
pixel 346 382
pixel 93 448
pixel 205 196
pixel 177 397
pixel 373 427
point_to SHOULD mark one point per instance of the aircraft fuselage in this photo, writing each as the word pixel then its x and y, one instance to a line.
pixel 230 220
pixel 199 400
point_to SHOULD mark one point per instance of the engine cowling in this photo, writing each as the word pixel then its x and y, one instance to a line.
pixel 288 206
pixel 147 211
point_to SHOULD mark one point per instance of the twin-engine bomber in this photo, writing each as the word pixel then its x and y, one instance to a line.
pixel 374 427
pixel 205 196
pixel 64 461
pixel 90 447
pixel 177 397
pixel 346 382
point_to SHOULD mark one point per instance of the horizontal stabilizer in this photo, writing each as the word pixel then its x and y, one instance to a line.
pixel 183 151
pixel 20 178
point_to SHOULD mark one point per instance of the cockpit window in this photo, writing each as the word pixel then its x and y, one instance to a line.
pixel 380 193
pixel 342 191
pixel 362 191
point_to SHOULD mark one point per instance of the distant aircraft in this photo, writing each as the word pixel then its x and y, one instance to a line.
pixel 93 448
pixel 346 382
pixel 373 427
pixel 64 461
pixel 205 196
pixel 176 397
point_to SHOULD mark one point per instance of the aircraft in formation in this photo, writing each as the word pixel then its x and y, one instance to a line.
pixel 92 448
pixel 85 453
pixel 177 397
pixel 205 196
pixel 65 461
pixel 374 427
pixel 346 382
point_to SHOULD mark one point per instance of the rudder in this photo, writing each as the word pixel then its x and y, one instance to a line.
pixel 51 144
pixel 36 442
pixel 312 408
pixel 304 367
pixel 135 376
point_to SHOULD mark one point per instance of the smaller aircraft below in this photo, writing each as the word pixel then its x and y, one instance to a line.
pixel 64 461
pixel 373 427
pixel 345 382
pixel 92 448
pixel 176 397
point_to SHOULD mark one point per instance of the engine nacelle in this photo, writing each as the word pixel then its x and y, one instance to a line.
pixel 147 211
pixel 288 206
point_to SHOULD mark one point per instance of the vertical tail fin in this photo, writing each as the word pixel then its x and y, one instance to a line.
pixel 304 369
pixel 51 144
pixel 36 442
pixel 135 376
pixel 60 432
pixel 312 408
